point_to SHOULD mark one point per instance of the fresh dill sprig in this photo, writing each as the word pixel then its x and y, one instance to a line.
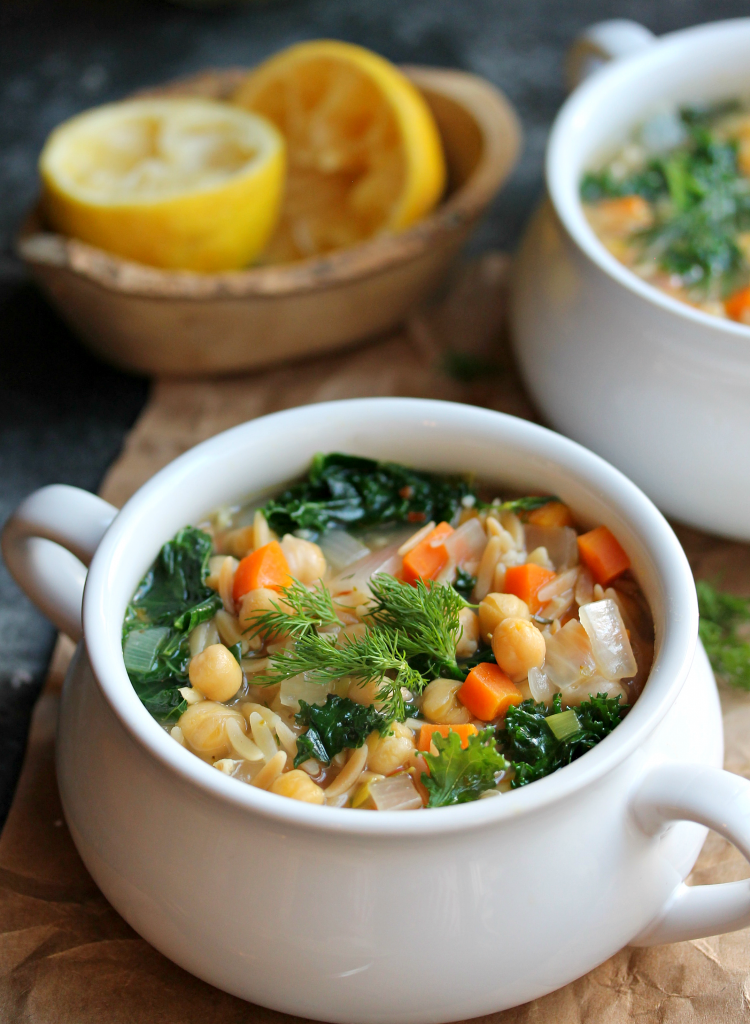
pixel 725 631
pixel 425 617
pixel 301 612
pixel 375 657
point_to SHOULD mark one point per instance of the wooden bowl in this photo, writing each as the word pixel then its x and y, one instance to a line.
pixel 181 323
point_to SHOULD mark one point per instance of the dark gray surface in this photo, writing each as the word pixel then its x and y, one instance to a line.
pixel 62 413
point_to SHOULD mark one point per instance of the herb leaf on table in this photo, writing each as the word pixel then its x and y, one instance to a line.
pixel 338 724
pixel 348 490
pixel 458 775
pixel 533 749
pixel 725 631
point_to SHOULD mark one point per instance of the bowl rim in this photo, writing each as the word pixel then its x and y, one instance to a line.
pixel 604 82
pixel 491 111
pixel 674 655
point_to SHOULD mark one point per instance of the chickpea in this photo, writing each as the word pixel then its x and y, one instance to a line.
pixel 366 694
pixel 440 704
pixel 468 633
pixel 306 561
pixel 203 728
pixel 254 601
pixel 496 607
pixel 215 673
pixel 518 646
pixel 298 785
pixel 387 753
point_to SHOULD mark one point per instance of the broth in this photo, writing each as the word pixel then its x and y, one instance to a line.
pixel 379 638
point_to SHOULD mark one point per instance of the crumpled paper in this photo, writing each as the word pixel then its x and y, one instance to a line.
pixel 66 957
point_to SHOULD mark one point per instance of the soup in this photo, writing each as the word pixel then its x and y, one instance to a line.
pixel 673 205
pixel 380 638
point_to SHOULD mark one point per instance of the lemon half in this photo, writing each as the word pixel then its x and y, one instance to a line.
pixel 363 148
pixel 179 183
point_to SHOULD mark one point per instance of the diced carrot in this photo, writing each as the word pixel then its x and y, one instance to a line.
pixel 554 513
pixel 427 558
pixel 525 581
pixel 738 306
pixel 265 567
pixel 602 555
pixel 488 692
pixel 428 731
pixel 621 216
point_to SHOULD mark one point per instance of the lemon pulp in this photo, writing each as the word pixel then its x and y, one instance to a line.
pixel 364 152
pixel 180 183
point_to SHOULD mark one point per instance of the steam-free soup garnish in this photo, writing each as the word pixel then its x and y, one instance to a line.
pixel 381 638
pixel 673 205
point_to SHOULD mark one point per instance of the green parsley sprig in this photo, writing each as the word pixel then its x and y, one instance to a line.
pixel 458 774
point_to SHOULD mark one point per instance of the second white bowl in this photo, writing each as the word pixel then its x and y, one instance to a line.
pixel 659 388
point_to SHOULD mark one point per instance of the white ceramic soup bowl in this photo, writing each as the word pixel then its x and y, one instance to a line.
pixel 659 388
pixel 356 916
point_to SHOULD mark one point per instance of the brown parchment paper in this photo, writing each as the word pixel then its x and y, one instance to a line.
pixel 66 957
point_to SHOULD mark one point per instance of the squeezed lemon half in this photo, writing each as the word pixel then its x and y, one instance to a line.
pixel 178 183
pixel 363 148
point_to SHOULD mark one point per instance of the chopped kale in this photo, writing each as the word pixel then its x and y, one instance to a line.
pixel 479 657
pixel 170 601
pixel 338 724
pixel 464 584
pixel 650 183
pixel 725 631
pixel 458 775
pixel 532 747
pixel 347 490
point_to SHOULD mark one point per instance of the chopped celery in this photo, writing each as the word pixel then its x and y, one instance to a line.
pixel 564 724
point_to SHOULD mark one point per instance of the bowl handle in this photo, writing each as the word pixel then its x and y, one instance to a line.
pixel 721 801
pixel 603 42
pixel 48 542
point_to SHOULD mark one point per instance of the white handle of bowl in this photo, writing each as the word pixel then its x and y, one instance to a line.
pixel 721 801
pixel 601 43
pixel 47 544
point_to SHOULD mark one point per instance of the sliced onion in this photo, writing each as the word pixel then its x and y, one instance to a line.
pixel 467 543
pixel 560 541
pixel 557 607
pixel 609 640
pixel 541 686
pixel 298 688
pixel 584 689
pixel 341 549
pixel 584 592
pixel 353 581
pixel 565 581
pixel 569 658
pixel 396 793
